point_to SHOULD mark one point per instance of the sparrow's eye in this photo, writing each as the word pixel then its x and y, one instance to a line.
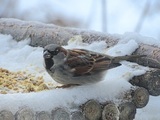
pixel 55 52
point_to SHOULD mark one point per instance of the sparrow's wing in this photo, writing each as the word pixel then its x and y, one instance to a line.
pixel 84 62
pixel 80 65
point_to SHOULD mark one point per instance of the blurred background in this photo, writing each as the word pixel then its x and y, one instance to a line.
pixel 110 16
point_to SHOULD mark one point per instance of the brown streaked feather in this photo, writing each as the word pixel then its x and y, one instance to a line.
pixel 82 62
pixel 101 65
pixel 63 50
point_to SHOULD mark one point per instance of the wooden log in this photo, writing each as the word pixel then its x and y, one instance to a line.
pixel 110 112
pixel 140 97
pixel 127 111
pixel 137 95
pixel 77 115
pixel 43 34
pixel 150 81
pixel 43 116
pixel 60 114
pixel 92 110
pixel 6 115
pixel 24 114
pixel 152 53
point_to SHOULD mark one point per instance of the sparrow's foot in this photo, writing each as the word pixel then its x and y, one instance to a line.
pixel 67 86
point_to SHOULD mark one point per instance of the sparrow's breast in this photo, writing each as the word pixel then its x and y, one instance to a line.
pixel 63 76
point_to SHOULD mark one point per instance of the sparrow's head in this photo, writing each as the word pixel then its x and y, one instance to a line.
pixel 54 53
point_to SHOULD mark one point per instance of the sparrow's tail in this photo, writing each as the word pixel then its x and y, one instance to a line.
pixel 128 57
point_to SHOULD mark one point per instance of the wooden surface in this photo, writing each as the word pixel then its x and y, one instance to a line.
pixel 43 34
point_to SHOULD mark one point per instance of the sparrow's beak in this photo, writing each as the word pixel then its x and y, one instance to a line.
pixel 46 55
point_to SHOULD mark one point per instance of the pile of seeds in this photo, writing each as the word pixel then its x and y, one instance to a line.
pixel 15 82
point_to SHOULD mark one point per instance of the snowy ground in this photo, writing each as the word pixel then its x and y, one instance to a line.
pixel 19 56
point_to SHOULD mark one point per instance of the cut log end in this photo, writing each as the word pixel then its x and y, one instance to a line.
pixel 154 82
pixel 92 110
pixel 110 112
pixel 60 114
pixel 140 97
pixel 43 116
pixel 77 115
pixel 6 115
pixel 150 81
pixel 127 111
pixel 24 114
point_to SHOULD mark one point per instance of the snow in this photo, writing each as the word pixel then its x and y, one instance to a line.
pixel 19 56
pixel 139 39
pixel 151 111
pixel 120 49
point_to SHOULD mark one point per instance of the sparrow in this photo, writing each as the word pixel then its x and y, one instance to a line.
pixel 78 66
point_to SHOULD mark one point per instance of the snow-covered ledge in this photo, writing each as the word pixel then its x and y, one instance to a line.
pixel 43 34
pixel 114 97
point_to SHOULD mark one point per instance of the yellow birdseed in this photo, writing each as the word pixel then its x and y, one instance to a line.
pixel 14 82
